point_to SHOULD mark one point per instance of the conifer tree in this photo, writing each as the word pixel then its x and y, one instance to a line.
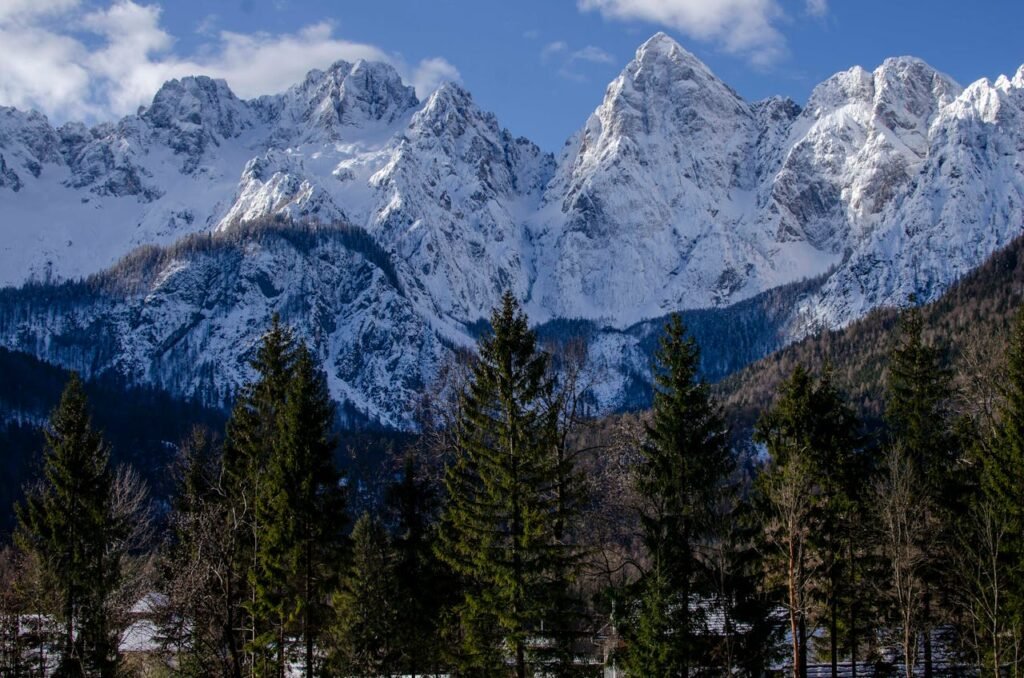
pixel 811 436
pixel 684 464
pixel 302 511
pixel 252 432
pixel 422 584
pixel 67 523
pixel 1003 478
pixel 499 527
pixel 919 419
pixel 367 606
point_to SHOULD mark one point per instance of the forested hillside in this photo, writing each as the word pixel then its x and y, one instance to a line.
pixel 969 323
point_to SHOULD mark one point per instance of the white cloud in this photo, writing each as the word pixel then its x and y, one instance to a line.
pixel 22 10
pixel 817 7
pixel 568 61
pixel 592 54
pixel 553 48
pixel 48 67
pixel 742 27
pixel 430 73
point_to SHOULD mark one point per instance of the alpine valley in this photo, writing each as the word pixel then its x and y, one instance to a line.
pixel 384 228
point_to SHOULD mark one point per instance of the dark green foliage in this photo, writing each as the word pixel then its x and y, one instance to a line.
pixel 424 586
pixel 279 459
pixel 809 491
pixel 136 422
pixel 249 450
pixel 978 307
pixel 918 403
pixel 918 411
pixel 303 508
pixel 1003 465
pixel 367 635
pixel 499 529
pixel 1002 483
pixel 683 467
pixel 68 522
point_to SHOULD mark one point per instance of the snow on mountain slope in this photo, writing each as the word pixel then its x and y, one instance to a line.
pixel 189 317
pixel 963 199
pixel 676 194
pixel 653 196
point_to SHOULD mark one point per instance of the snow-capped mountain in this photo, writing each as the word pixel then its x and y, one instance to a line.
pixel 399 222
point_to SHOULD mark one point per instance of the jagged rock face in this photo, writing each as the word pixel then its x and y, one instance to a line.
pixel 648 190
pixel 964 201
pixel 354 96
pixel 676 194
pixel 189 318
pixel 452 201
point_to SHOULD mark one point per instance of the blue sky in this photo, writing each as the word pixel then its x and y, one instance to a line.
pixel 540 65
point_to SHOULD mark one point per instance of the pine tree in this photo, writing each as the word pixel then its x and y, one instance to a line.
pixel 840 470
pixel 67 522
pixel 305 514
pixel 811 436
pixel 499 527
pixel 421 580
pixel 918 404
pixel 252 432
pixel 367 606
pixel 1003 481
pixel 919 419
pixel 684 465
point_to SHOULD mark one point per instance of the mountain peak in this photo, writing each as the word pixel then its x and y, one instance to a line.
pixel 660 47
pixel 196 103
pixel 351 95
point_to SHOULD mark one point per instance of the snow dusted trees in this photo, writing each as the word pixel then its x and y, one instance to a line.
pixel 501 528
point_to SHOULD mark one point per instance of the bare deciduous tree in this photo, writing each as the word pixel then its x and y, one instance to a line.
pixel 903 511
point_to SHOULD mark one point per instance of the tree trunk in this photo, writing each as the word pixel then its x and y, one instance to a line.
pixel 834 632
pixel 306 631
pixel 853 611
pixel 927 631
pixel 794 624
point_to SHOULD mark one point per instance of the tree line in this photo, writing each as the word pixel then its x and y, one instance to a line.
pixel 517 536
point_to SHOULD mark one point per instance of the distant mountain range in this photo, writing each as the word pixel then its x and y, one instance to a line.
pixel 385 228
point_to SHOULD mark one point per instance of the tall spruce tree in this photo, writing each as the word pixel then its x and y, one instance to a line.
pixel 811 436
pixel 68 523
pixel 367 634
pixel 422 583
pixel 1003 481
pixel 302 511
pixel 918 412
pixel 499 527
pixel 684 464
pixel 249 446
pixel 840 469
pixel 279 457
